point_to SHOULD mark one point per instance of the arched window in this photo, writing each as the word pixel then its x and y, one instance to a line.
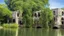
pixel 54 12
pixel 62 22
pixel 62 18
pixel 55 19
pixel 35 15
pixel 62 13
pixel 18 14
pixel 38 14
pixel 14 20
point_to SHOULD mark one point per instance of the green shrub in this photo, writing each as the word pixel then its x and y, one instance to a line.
pixel 12 25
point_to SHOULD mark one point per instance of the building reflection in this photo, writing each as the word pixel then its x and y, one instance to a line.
pixel 57 32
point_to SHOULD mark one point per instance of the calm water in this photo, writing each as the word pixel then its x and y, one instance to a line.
pixel 31 32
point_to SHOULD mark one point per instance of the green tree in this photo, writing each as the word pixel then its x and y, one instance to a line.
pixel 27 7
pixel 4 14
pixel 46 17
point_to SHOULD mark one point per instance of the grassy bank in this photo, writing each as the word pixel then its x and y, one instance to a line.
pixel 11 25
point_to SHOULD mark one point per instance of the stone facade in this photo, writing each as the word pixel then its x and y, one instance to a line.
pixel 58 16
pixel 36 15
pixel 15 16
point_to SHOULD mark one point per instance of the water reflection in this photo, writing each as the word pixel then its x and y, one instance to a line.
pixel 31 32
pixel 39 32
pixel 56 32
pixel 7 32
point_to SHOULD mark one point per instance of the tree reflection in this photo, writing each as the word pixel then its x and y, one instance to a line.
pixel 31 32
pixel 55 32
pixel 8 32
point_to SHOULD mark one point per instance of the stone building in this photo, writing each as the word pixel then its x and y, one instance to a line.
pixel 57 13
pixel 36 15
pixel 58 17
pixel 16 17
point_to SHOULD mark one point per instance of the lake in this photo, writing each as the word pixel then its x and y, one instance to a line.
pixel 31 32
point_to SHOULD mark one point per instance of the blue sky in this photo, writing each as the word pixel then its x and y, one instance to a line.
pixel 53 3
pixel 2 2
pixel 56 3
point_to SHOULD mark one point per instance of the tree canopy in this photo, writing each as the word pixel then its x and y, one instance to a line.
pixel 27 7
pixel 27 4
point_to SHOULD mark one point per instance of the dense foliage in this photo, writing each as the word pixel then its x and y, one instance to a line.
pixel 27 8
pixel 4 14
